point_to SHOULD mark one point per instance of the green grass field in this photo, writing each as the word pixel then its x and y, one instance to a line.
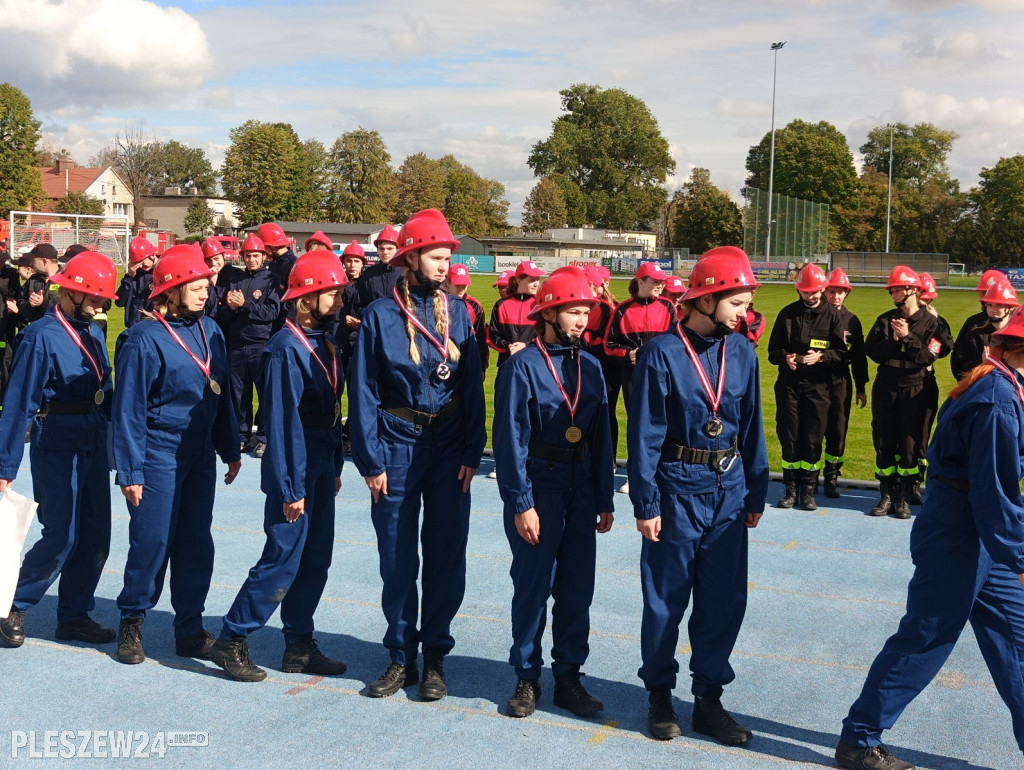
pixel 868 303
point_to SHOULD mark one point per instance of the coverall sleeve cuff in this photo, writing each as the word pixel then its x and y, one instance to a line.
pixel 130 478
pixel 8 472
pixel 606 506
pixel 651 510
pixel 524 502
pixel 471 460
pixel 231 457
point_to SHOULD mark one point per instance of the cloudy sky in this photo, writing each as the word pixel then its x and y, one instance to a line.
pixel 480 79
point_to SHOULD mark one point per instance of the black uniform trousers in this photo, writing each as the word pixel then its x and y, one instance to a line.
pixel 801 410
pixel 899 413
pixel 838 421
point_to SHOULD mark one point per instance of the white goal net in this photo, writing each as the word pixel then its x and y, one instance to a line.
pixel 106 234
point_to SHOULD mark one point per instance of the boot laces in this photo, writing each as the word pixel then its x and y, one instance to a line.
pixel 133 631
pixel 574 685
pixel 882 752
pixel 524 690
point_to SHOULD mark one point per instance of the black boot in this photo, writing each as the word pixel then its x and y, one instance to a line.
pixel 195 646
pixel 661 718
pixel 912 492
pixel 874 758
pixel 524 700
pixel 12 629
pixel 305 657
pixel 394 679
pixel 884 497
pixel 788 499
pixel 129 641
pixel 85 629
pixel 570 694
pixel 232 655
pixel 832 480
pixel 900 506
pixel 433 686
pixel 711 718
pixel 808 487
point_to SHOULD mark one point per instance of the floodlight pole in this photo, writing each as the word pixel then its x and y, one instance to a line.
pixel 888 206
pixel 776 47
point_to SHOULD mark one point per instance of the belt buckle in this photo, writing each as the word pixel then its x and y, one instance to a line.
pixel 723 465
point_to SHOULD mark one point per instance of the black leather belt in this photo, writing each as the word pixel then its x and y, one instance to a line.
pixel 712 457
pixel 960 485
pixel 69 407
pixel 554 454
pixel 424 419
pixel 319 419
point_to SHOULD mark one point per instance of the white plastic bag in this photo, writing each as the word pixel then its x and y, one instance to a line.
pixel 16 514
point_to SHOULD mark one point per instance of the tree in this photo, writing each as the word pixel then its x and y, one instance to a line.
pixel 178 165
pixel 918 154
pixel 47 155
pixel 864 220
pixel 705 216
pixel 362 186
pixel 812 162
pixel 134 159
pixel 258 169
pixel 308 194
pixel 420 185
pixel 198 218
pixel 80 203
pixel 545 206
pixel 608 156
pixel 998 204
pixel 20 183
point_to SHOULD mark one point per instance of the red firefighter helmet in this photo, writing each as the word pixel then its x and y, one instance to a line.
pixel 212 247
pixel 837 280
pixel 253 243
pixel 901 275
pixel 387 235
pixel 424 229
pixel 811 278
pixel 565 286
pixel 725 268
pixel 272 236
pixel 89 272
pixel 179 265
pixel 989 278
pixel 354 250
pixel 313 272
pixel 319 237
pixel 139 250
pixel 1001 293
pixel 929 289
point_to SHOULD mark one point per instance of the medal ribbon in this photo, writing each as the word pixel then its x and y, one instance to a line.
pixel 204 366
pixel 331 374
pixel 81 345
pixel 442 347
pixel 714 396
pixel 573 405
pixel 1009 373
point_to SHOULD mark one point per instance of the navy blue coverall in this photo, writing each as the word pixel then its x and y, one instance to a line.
pixel 569 495
pixel 703 511
pixel 133 296
pixel 374 282
pixel 168 427
pixel 968 549
pixel 248 329
pixel 303 461
pixel 422 464
pixel 68 450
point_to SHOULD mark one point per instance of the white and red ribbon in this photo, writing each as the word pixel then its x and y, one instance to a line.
pixel 204 366
pixel 332 374
pixel 714 396
pixel 442 346
pixel 81 345
pixel 574 403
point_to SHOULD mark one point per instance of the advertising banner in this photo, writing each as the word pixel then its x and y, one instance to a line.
pixel 477 263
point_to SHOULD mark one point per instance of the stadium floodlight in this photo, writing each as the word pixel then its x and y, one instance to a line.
pixel 776 47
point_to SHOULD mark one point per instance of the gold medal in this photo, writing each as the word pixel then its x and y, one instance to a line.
pixel 573 434
pixel 98 398
pixel 215 386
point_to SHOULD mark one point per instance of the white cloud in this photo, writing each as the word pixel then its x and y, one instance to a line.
pixel 99 53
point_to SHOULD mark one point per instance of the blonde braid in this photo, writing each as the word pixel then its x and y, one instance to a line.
pixel 414 349
pixel 441 322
